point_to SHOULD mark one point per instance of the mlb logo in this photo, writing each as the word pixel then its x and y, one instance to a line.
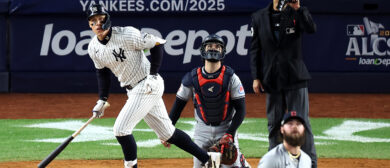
pixel 355 30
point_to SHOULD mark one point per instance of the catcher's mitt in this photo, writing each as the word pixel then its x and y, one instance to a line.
pixel 228 152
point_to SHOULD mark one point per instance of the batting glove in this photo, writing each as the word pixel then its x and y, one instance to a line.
pixel 98 110
pixel 150 83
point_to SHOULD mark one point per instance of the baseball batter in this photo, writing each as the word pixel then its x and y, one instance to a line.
pixel 219 100
pixel 120 50
pixel 288 154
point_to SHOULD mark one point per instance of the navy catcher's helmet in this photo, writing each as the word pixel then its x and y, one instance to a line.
pixel 212 54
pixel 98 9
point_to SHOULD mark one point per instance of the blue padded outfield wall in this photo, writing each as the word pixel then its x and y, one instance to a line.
pixel 349 53
pixel 4 75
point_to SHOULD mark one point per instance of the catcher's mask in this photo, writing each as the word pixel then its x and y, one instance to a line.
pixel 212 55
pixel 98 9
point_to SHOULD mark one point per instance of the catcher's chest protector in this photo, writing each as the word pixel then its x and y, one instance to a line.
pixel 212 95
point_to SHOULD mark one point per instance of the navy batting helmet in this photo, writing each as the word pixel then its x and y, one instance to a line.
pixel 98 9
pixel 212 54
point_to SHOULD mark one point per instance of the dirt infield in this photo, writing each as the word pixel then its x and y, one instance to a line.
pixel 37 106
pixel 180 163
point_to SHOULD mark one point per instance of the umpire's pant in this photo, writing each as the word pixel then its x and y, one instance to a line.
pixel 277 104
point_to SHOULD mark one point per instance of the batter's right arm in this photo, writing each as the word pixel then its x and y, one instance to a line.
pixel 104 80
pixel 156 55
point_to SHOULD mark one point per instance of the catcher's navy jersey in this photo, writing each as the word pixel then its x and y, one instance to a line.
pixel 186 91
pixel 207 135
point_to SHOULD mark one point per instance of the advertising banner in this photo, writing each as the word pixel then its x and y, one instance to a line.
pixel 349 43
pixel 52 36
pixel 3 44
pixel 348 6
pixel 345 44
pixel 4 77
pixel 60 43
pixel 135 6
pixel 4 6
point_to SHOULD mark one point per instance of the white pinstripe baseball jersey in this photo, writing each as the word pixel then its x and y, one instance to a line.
pixel 123 54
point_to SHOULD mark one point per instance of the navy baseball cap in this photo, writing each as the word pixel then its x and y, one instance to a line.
pixel 292 115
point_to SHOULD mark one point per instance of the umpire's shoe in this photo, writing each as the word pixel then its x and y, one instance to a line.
pixel 214 161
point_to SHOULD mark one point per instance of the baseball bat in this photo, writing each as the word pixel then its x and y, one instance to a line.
pixel 61 147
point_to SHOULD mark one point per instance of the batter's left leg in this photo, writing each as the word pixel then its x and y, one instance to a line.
pixel 129 149
pixel 136 108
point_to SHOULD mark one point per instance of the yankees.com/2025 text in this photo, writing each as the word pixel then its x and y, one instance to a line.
pixel 187 5
pixel 157 5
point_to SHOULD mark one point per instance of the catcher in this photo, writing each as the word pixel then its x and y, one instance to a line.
pixel 219 101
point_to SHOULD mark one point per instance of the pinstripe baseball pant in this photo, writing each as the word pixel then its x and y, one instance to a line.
pixel 148 106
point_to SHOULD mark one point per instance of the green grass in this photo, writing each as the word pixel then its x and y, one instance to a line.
pixel 17 141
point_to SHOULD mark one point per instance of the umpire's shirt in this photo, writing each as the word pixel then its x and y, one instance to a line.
pixel 276 56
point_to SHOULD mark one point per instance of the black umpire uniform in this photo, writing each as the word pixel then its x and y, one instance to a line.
pixel 276 60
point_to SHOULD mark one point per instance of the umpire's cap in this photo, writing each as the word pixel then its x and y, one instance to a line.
pixel 98 9
pixel 292 115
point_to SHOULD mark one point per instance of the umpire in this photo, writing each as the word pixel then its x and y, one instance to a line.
pixel 277 66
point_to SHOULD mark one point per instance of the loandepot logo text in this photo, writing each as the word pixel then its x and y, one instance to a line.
pixel 369 43
pixel 179 42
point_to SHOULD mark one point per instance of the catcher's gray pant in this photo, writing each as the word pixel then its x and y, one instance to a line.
pixel 277 104
pixel 142 104
pixel 205 136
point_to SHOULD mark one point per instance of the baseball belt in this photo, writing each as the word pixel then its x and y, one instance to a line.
pixel 131 87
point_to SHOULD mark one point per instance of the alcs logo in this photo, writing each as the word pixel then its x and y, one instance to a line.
pixel 371 42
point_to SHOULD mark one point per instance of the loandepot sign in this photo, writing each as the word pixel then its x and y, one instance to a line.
pixel 343 132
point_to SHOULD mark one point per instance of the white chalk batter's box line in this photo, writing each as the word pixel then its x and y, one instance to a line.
pixel 346 131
